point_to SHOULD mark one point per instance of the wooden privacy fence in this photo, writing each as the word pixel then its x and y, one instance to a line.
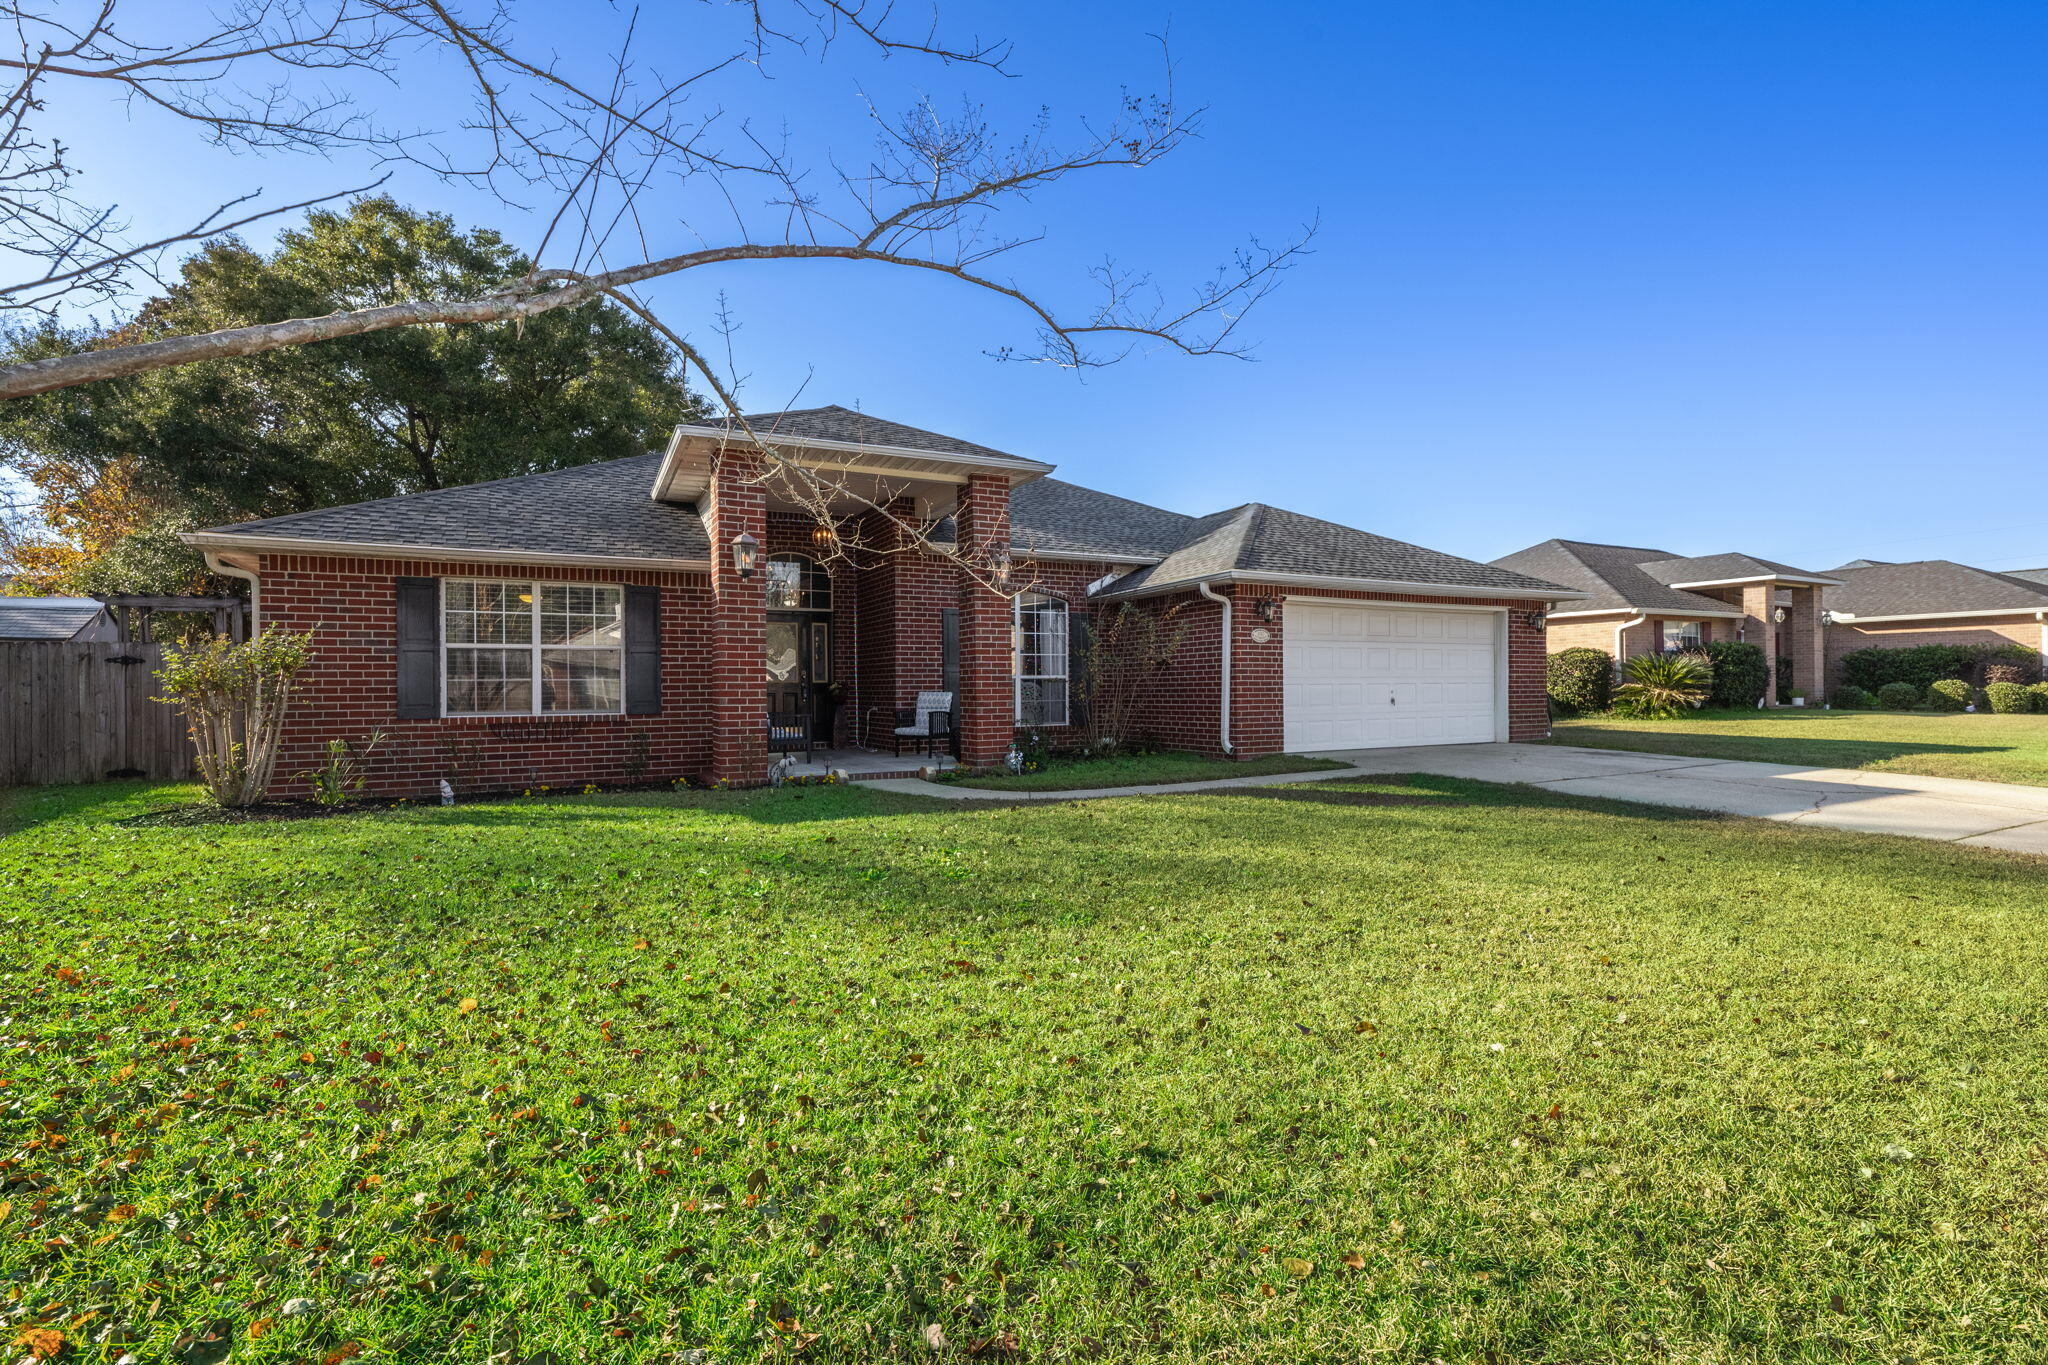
pixel 72 711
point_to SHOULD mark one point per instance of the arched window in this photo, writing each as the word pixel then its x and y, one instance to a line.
pixel 798 584
pixel 1039 659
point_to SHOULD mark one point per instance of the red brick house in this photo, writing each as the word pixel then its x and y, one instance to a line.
pixel 638 619
pixel 1644 601
pixel 1934 601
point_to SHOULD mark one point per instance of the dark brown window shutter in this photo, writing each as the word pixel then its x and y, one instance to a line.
pixel 643 650
pixel 1080 639
pixel 419 648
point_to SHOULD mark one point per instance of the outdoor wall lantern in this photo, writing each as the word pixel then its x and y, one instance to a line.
pixel 1535 620
pixel 746 554
pixel 1266 607
pixel 1779 615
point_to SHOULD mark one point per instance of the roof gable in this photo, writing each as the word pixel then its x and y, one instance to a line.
pixel 834 423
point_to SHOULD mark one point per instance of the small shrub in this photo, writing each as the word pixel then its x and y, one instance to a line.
pixel 1740 674
pixel 1852 698
pixel 234 697
pixel 1580 680
pixel 2006 698
pixel 1950 694
pixel 341 778
pixel 1661 686
pixel 1899 696
pixel 2037 697
pixel 1995 674
pixel 2008 662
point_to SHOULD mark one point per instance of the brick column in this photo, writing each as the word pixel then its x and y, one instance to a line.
pixel 987 697
pixel 1809 651
pixel 1760 630
pixel 739 625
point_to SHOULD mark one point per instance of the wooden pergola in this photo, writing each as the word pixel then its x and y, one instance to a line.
pixel 133 613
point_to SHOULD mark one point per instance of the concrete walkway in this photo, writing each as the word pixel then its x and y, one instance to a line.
pixel 1978 814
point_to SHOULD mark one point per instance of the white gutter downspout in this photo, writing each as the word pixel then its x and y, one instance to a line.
pixel 1217 597
pixel 2042 617
pixel 213 562
pixel 1619 631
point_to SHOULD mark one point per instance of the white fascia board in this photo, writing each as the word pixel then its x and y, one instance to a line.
pixel 1847 618
pixel 1336 584
pixel 364 549
pixel 1802 579
pixel 1672 615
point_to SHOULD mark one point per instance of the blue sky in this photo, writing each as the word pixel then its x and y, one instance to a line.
pixel 1705 277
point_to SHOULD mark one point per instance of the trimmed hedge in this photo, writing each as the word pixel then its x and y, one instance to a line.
pixel 1740 674
pixel 2037 697
pixel 1899 696
pixel 1850 697
pixel 1950 694
pixel 1579 681
pixel 2006 698
pixel 1922 666
pixel 1925 665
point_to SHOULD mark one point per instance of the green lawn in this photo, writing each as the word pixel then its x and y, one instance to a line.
pixel 1993 748
pixel 1144 770
pixel 1357 1072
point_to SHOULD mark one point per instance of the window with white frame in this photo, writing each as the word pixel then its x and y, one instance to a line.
pixel 1682 635
pixel 1038 657
pixel 515 649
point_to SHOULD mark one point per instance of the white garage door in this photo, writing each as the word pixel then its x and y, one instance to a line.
pixel 1363 678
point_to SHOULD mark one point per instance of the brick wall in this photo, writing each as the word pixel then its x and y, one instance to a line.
pixel 350 687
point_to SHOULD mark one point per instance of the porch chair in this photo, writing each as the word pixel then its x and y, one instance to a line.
pixel 788 732
pixel 931 721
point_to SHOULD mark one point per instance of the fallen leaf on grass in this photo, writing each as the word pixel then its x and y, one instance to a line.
pixel 935 1337
pixel 1354 1261
pixel 120 1213
pixel 44 1343
pixel 348 1350
pixel 468 1004
pixel 258 1328
pixel 1297 1267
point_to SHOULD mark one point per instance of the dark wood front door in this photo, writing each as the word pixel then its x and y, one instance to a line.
pixel 799 660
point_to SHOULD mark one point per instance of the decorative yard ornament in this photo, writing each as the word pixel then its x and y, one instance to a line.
pixel 999 564
pixel 447 793
pixel 1014 760
pixel 746 554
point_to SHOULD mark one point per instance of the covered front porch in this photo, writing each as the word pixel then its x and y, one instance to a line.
pixel 835 621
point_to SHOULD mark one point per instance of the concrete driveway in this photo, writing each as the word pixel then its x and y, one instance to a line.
pixel 1980 814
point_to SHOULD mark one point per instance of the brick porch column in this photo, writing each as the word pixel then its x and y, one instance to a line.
pixel 987 699
pixel 1809 651
pixel 739 625
pixel 1759 629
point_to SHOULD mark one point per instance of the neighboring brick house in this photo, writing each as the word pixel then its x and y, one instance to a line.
pixel 1644 601
pixel 639 619
pixel 1934 601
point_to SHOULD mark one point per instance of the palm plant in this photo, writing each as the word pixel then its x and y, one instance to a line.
pixel 1661 686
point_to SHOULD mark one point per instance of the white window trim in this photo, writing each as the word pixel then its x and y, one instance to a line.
pixel 1699 629
pixel 533 649
pixel 1017 676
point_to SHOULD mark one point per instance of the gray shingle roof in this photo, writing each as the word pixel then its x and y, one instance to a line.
pixel 1636 578
pixel 1718 568
pixel 1930 587
pixel 46 618
pixel 593 509
pixel 1257 539
pixel 858 428
pixel 1064 518
pixel 2031 575
pixel 1611 574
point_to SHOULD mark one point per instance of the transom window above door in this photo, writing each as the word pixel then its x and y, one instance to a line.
pixel 513 648
pixel 796 583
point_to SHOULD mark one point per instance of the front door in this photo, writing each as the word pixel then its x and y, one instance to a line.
pixel 799 660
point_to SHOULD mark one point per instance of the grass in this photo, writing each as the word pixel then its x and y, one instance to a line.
pixel 1989 747
pixel 1500 1076
pixel 1145 770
